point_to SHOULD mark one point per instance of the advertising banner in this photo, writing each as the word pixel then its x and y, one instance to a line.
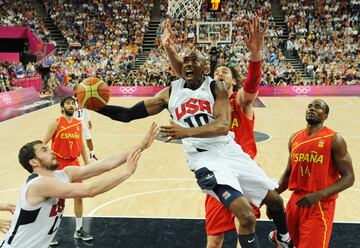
pixel 15 97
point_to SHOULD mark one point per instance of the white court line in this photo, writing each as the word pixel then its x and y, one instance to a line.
pixel 138 194
pixel 162 179
pixel 9 190
pixel 186 218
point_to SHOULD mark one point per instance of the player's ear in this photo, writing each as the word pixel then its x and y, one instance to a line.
pixel 233 82
pixel 325 116
pixel 33 162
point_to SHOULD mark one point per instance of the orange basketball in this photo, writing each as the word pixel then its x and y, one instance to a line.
pixel 93 93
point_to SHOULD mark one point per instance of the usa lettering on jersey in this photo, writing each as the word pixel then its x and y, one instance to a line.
pixel 199 111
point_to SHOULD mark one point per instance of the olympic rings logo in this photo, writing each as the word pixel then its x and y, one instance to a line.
pixel 129 90
pixel 301 90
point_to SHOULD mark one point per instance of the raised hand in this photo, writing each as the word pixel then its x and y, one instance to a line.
pixel 150 136
pixel 173 132
pixel 255 38
pixel 167 37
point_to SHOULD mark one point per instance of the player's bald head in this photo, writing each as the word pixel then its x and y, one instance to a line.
pixel 195 52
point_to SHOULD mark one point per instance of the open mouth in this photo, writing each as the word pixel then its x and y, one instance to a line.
pixel 189 73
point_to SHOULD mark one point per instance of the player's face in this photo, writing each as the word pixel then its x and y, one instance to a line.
pixel 315 112
pixel 224 74
pixel 69 107
pixel 45 157
pixel 193 67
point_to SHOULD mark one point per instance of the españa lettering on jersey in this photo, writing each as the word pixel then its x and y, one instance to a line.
pixel 67 140
pixel 311 162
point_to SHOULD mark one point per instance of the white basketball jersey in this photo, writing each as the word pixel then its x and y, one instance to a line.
pixel 82 114
pixel 35 226
pixel 194 108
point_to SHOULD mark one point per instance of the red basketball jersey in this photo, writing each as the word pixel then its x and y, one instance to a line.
pixel 67 140
pixel 243 127
pixel 311 162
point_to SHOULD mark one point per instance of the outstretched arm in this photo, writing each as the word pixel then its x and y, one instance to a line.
pixel 343 163
pixel 254 42
pixel 99 167
pixel 167 40
pixel 219 126
pixel 47 187
pixel 140 110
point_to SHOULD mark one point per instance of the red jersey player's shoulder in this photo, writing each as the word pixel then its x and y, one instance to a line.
pixel 296 134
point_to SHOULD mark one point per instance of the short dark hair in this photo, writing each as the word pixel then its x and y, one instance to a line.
pixel 26 153
pixel 327 109
pixel 235 74
pixel 62 103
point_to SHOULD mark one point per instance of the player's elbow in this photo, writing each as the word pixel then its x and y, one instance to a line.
pixel 121 118
pixel 350 180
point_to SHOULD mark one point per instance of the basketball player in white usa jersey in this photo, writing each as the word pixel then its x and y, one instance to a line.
pixel 42 198
pixel 83 116
pixel 201 113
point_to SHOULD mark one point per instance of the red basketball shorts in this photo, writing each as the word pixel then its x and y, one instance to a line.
pixel 310 227
pixel 218 218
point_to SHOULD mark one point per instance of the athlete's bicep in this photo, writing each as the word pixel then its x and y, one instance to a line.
pixel 157 103
pixel 51 187
pixel 341 157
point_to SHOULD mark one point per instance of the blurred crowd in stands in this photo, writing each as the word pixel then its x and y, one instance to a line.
pixel 9 72
pixel 106 37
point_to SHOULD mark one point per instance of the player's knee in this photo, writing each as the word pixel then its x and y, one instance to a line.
pixel 274 201
pixel 215 241
pixel 247 220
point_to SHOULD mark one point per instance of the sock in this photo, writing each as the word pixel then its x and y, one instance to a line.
pixel 78 223
pixel 279 219
pixel 248 241
pixel 92 153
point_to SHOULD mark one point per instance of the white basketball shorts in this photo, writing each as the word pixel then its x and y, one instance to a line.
pixel 232 166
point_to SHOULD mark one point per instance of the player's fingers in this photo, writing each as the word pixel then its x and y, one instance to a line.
pixel 257 24
pixel 248 26
pixel 153 127
pixel 165 127
pixel 136 153
pixel 266 25
pixel 170 139
pixel 155 133
pixel 137 157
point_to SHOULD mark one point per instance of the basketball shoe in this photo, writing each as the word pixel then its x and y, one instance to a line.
pixel 81 234
pixel 276 240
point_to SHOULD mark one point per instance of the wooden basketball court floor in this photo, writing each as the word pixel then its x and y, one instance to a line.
pixel 162 185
